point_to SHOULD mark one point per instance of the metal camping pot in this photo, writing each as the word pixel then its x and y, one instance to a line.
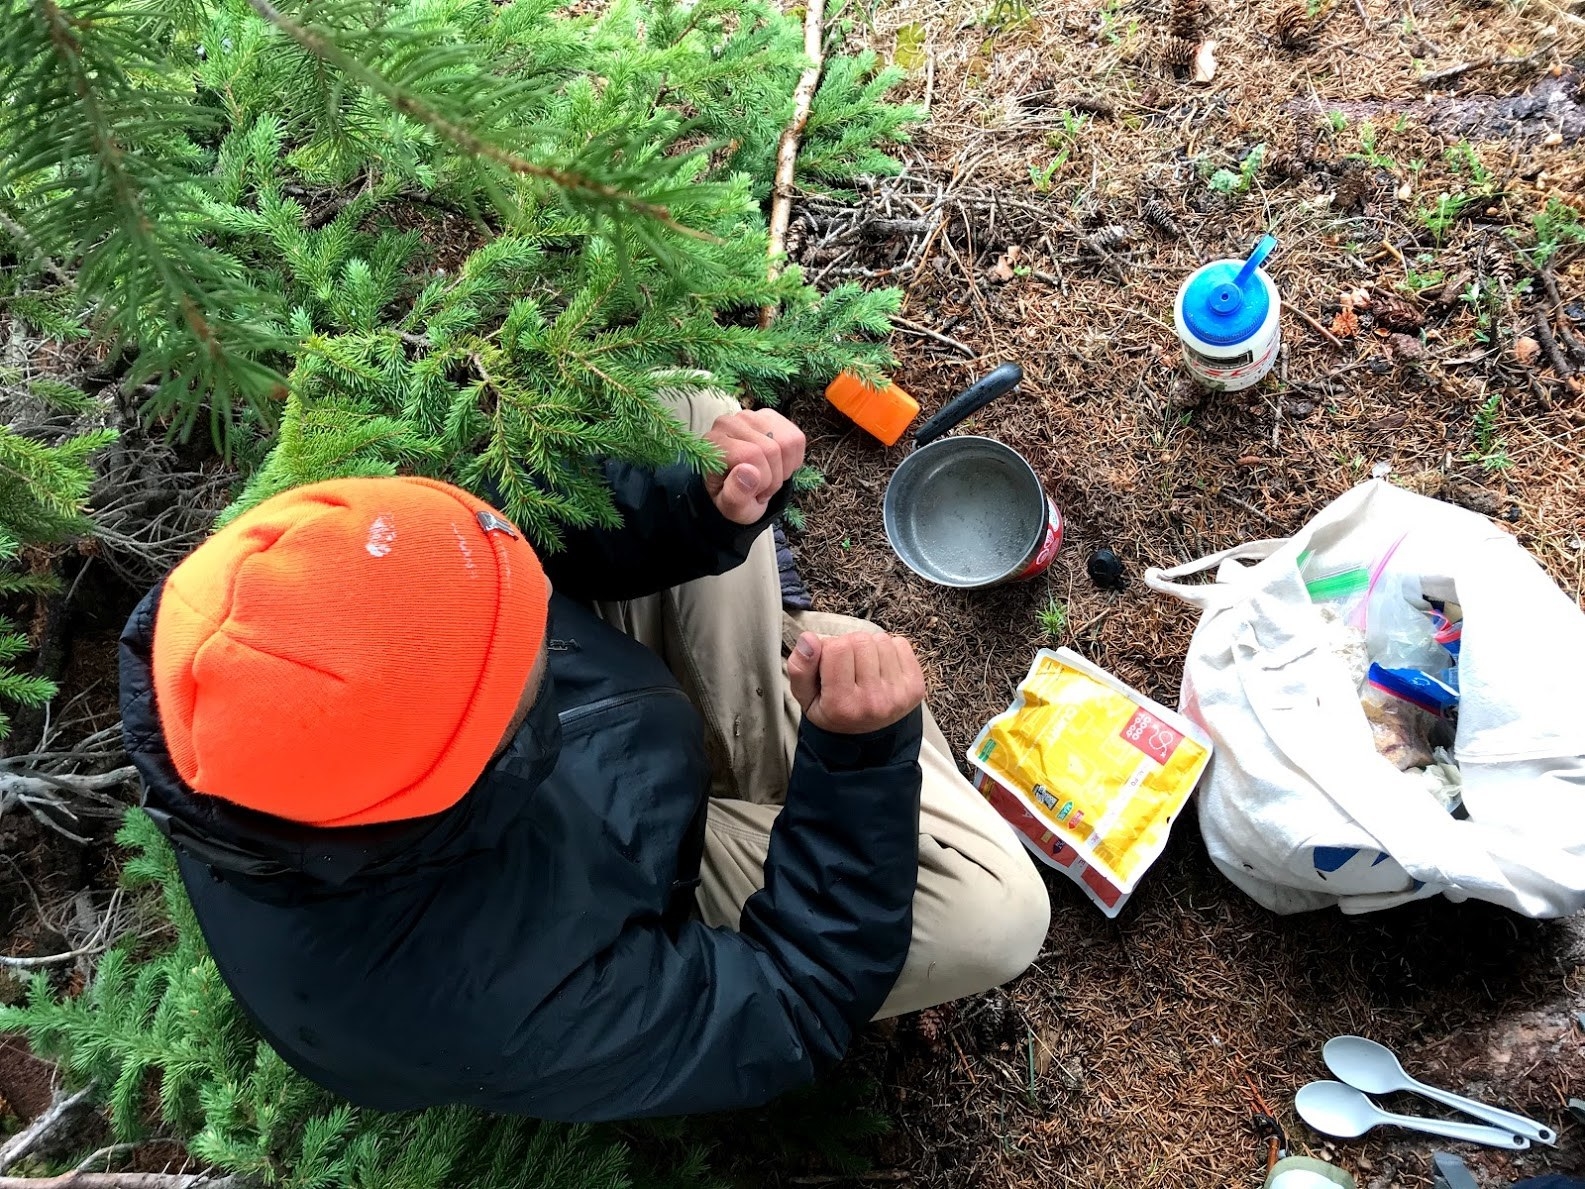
pixel 970 511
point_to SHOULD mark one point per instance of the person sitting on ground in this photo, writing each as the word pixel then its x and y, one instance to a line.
pixel 565 835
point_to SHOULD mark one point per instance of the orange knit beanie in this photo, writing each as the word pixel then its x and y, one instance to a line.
pixel 349 652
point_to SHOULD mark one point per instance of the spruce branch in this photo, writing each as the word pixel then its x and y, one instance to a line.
pixel 94 97
pixel 322 45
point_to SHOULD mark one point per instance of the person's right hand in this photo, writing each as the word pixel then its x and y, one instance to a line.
pixel 856 683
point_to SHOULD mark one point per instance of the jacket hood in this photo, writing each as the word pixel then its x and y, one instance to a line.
pixel 242 841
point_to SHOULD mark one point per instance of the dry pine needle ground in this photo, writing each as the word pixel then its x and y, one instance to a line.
pixel 1134 1046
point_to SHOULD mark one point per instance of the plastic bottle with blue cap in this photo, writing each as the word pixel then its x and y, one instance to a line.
pixel 1228 317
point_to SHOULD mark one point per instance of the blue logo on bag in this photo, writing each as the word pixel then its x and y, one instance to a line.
pixel 1330 859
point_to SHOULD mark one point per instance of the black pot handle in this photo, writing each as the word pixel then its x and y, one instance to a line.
pixel 971 400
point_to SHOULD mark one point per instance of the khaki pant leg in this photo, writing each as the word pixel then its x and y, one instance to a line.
pixel 722 637
pixel 980 908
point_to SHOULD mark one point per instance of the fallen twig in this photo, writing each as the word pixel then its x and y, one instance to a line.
pixel 1321 384
pixel 1318 328
pixel 878 1174
pixel 787 149
pixel 1543 333
pixel 1441 76
pixel 103 1155
pixel 11 963
pixel 1565 336
pixel 122 1180
pixel 40 792
pixel 36 1132
pixel 1093 622
pixel 98 932
pixel 1237 503
pixel 908 327
pixel 20 786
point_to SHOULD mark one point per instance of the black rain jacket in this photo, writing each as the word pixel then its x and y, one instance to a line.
pixel 532 950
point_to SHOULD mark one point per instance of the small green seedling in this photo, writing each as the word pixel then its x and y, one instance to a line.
pixel 1418 282
pixel 1439 217
pixel 1369 152
pixel 1004 15
pixel 1040 176
pixel 1053 618
pixel 1491 448
pixel 1559 224
pixel 1114 30
pixel 1463 159
pixel 1228 183
pixel 1063 140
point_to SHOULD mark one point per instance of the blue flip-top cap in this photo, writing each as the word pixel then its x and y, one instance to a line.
pixel 1226 303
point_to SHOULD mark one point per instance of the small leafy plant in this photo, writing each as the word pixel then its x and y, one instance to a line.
pixel 1064 141
pixel 1230 184
pixel 1053 617
pixel 1491 448
pixel 1556 226
pixel 1369 152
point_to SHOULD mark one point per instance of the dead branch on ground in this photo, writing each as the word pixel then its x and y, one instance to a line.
pixel 43 794
pixel 36 1132
pixel 105 1154
pixel 907 327
pixel 123 1180
pixel 787 150
pixel 151 509
pixel 1543 333
pixel 1495 62
pixel 101 932
pixel 1317 327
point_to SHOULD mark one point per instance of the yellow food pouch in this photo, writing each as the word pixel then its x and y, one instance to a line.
pixel 1099 764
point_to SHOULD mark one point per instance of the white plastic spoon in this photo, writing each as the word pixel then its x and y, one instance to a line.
pixel 1375 1069
pixel 1335 1109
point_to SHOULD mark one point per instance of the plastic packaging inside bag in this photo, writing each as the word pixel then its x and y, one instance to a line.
pixel 1400 730
pixel 1444 781
pixel 1401 650
pixel 1399 632
pixel 1345 642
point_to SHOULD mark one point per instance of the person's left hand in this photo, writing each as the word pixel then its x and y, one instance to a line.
pixel 762 449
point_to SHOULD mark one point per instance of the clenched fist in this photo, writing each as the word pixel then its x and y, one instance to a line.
pixel 762 449
pixel 856 683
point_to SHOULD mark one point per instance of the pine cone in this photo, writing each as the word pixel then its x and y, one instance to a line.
pixel 1396 314
pixel 1107 239
pixel 1159 216
pixel 1292 27
pixel 995 1021
pixel 932 1025
pixel 1180 52
pixel 799 229
pixel 1501 270
pixel 1353 188
pixel 1284 165
pixel 1184 23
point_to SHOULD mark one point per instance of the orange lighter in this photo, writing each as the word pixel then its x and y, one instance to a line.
pixel 884 412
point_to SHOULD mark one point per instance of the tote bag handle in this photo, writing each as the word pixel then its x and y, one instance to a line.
pixel 1206 595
